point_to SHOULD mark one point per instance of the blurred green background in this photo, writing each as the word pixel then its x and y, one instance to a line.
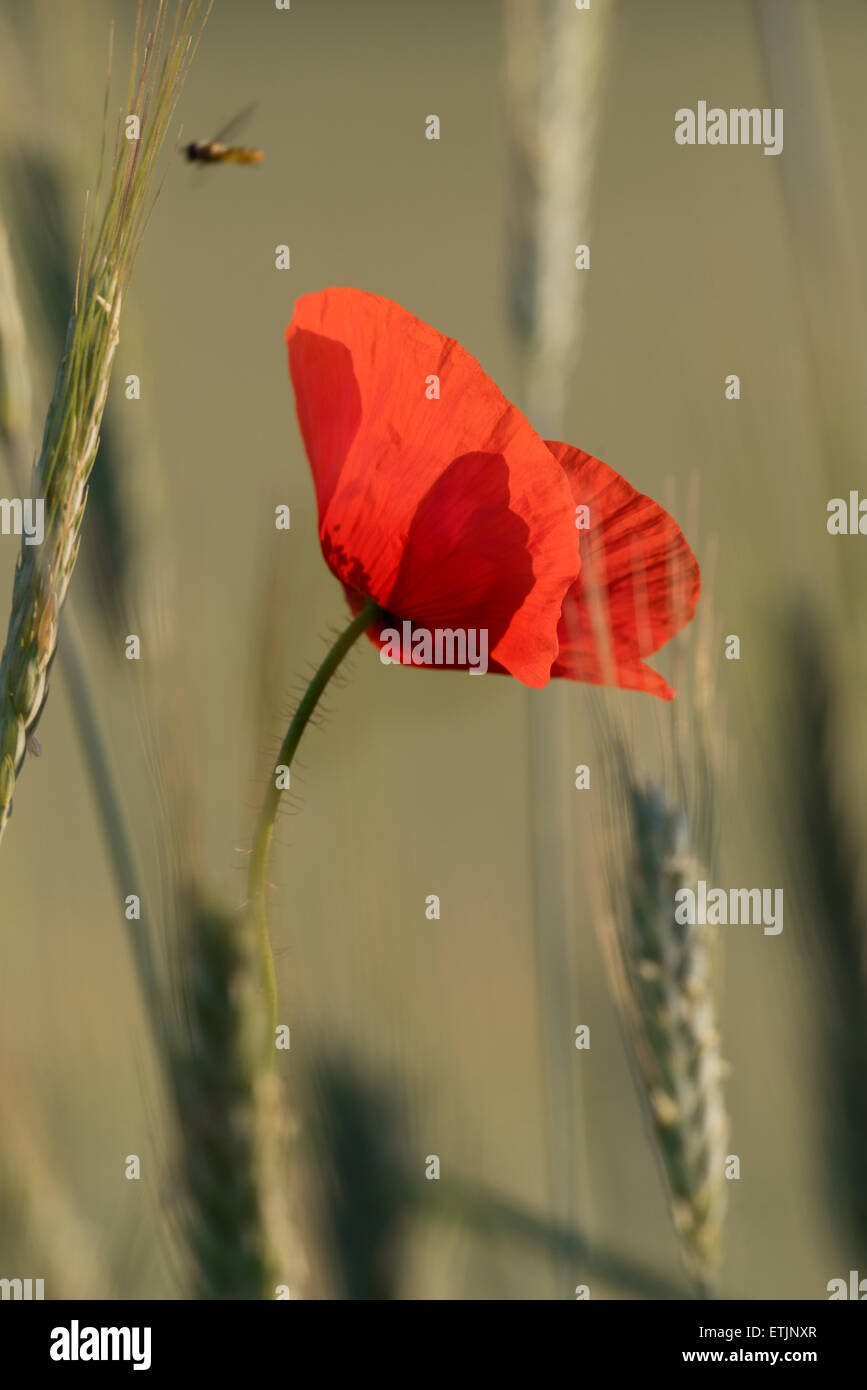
pixel 419 784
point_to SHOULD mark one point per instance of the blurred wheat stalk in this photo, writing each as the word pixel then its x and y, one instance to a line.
pixel 821 736
pixel 72 426
pixel 554 68
pixel 359 1177
pixel 554 62
pixel 44 1230
pixel 823 841
pixel 15 390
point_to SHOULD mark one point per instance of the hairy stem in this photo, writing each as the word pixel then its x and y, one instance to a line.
pixel 264 833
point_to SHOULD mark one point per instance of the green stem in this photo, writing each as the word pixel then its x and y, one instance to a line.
pixel 264 833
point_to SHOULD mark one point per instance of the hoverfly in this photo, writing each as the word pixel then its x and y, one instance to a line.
pixel 219 151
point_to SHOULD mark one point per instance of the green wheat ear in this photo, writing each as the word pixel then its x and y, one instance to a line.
pixel 232 1134
pixel 669 971
pixel 659 836
pixel 72 426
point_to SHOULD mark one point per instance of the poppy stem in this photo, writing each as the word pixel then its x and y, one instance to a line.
pixel 264 833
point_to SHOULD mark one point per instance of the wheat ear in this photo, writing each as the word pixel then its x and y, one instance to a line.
pixel 660 836
pixel 71 436
pixel 233 1160
pixel 667 978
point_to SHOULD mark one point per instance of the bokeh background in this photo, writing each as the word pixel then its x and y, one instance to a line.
pixel 704 262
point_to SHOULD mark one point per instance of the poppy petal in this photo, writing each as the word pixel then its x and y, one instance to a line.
pixel 448 511
pixel 639 581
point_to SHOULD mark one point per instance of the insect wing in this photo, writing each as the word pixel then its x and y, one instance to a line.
pixel 229 131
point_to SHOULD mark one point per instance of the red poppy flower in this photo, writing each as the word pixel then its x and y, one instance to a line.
pixel 439 501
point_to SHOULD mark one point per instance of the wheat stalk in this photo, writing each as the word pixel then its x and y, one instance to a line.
pixel 121 510
pixel 554 62
pixel 823 837
pixel 660 837
pixel 71 436
pixel 668 971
